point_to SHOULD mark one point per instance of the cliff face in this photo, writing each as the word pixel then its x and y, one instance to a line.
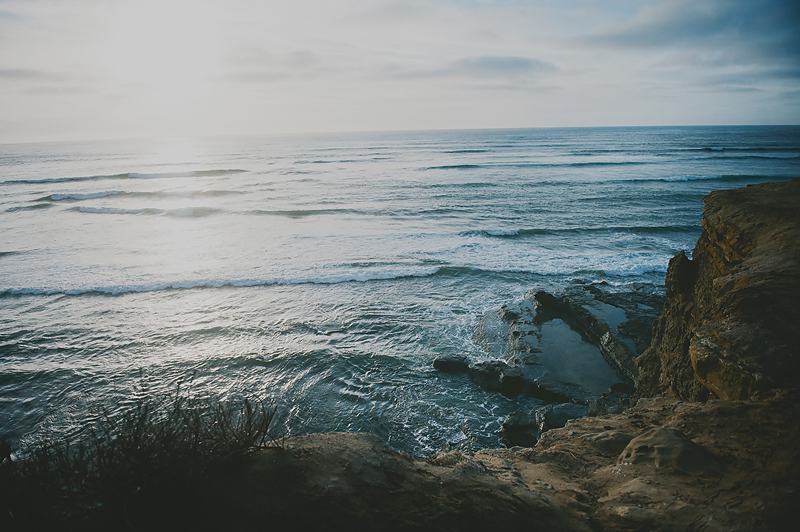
pixel 730 322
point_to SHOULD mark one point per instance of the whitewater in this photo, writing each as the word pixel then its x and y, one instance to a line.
pixel 326 272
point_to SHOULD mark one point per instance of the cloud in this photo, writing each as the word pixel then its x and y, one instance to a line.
pixel 498 67
pixel 768 28
pixel 24 74
pixel 32 77
pixel 483 68
pixel 732 45
pixel 254 64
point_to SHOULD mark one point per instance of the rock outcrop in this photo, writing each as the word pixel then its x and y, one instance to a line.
pixel 730 322
pixel 662 465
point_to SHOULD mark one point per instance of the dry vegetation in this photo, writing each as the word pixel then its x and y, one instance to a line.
pixel 142 469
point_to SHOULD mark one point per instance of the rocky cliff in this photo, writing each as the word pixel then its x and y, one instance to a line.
pixel 730 322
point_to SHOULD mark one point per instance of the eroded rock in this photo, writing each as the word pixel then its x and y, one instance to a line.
pixel 729 326
pixel 664 447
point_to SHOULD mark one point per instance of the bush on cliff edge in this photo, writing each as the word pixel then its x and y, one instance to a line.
pixel 146 468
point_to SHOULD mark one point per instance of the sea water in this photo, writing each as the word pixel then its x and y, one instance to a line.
pixel 326 272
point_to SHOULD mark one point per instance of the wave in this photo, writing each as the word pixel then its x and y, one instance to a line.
pixel 622 266
pixel 330 161
pixel 129 175
pixel 521 233
pixel 740 157
pixel 111 210
pixel 193 194
pixel 80 197
pixel 474 184
pixel 344 277
pixel 732 177
pixel 188 212
pixel 34 207
pixel 205 211
pixel 746 149
pixel 453 167
pixel 586 164
pixel 302 213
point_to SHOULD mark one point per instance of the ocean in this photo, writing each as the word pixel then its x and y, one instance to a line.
pixel 324 273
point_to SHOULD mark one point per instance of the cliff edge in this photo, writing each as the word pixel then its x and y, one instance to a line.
pixel 730 322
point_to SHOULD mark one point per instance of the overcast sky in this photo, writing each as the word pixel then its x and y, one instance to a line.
pixel 95 69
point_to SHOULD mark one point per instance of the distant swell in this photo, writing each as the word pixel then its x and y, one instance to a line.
pixel 521 233
pixel 536 165
pixel 129 175
pixel 192 212
pixel 713 177
pixel 302 213
pixel 195 194
pixel 453 167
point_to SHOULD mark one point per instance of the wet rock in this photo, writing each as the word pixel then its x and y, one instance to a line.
pixel 550 390
pixel 451 363
pixel 520 429
pixel 508 314
pixel 512 381
pixel 556 416
pixel 584 309
pixel 488 374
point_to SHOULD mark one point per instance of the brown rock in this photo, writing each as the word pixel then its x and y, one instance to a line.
pixel 729 324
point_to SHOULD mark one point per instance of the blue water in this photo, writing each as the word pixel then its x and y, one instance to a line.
pixel 327 272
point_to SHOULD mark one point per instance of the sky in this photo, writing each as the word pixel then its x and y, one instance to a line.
pixel 109 69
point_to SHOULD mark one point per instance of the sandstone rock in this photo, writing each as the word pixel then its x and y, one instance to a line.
pixel 729 326
pixel 666 448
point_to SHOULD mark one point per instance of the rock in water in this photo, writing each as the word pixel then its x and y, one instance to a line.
pixel 451 363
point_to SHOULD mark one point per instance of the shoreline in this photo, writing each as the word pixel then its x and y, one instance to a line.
pixel 678 458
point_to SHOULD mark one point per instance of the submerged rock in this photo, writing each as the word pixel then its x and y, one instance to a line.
pixel 562 349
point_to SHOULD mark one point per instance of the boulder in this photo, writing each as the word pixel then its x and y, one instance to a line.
pixel 664 447
pixel 451 363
